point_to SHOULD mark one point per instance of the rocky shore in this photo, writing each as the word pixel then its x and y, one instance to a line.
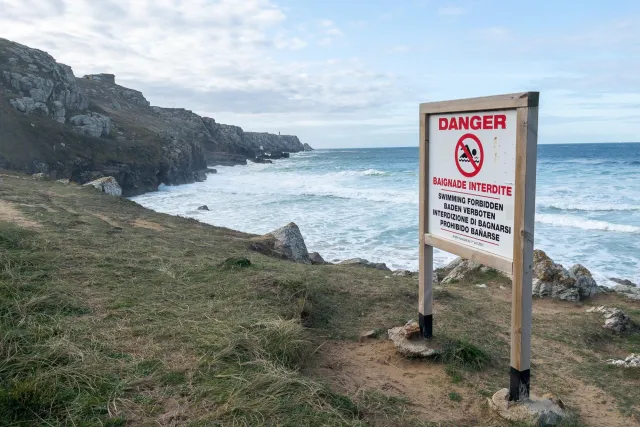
pixel 551 280
pixel 64 127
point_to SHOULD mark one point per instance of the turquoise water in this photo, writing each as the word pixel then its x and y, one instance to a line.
pixel 364 203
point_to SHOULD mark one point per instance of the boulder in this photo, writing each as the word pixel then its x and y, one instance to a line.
pixel 547 411
pixel 364 263
pixel 210 171
pixel 623 282
pixel 285 242
pixel 92 124
pixel 461 269
pixel 409 343
pixel 631 292
pixel 585 283
pixel 555 281
pixel 58 112
pixel 107 185
pixel 203 208
pixel 317 259
pixel 614 318
pixel 631 361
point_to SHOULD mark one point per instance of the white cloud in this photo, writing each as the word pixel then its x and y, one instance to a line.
pixel 452 11
pixel 204 55
pixel 329 32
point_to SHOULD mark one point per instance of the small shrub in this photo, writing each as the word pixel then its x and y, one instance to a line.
pixel 455 396
pixel 463 354
pixel 235 263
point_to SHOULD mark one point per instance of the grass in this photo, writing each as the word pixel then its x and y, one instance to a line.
pixel 455 397
pixel 106 323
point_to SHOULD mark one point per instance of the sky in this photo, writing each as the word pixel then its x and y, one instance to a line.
pixel 351 73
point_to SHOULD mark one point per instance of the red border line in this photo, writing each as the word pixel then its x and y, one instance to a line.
pixel 471 194
pixel 475 238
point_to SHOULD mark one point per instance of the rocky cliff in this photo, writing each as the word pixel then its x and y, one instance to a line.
pixel 83 128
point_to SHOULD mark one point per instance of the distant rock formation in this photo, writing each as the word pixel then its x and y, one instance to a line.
pixel 90 127
pixel 107 185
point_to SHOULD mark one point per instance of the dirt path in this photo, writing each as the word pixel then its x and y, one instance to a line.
pixel 9 213
pixel 353 368
pixel 356 367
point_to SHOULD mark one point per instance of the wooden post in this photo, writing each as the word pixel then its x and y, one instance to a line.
pixel 521 300
pixel 425 291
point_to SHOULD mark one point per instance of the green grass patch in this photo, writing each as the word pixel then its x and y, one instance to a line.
pixel 235 263
pixel 456 397
pixel 463 354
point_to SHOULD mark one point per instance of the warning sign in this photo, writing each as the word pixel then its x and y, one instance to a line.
pixel 472 178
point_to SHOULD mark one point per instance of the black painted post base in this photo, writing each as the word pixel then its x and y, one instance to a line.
pixel 518 384
pixel 426 324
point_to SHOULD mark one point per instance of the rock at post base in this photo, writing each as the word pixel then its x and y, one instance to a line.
pixel 547 411
pixel 409 343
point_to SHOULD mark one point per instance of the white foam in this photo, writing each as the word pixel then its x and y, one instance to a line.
pixel 588 206
pixel 585 224
pixel 374 172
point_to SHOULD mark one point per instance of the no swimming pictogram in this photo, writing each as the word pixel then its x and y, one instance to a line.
pixel 469 155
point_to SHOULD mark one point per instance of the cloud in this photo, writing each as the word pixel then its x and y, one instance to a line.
pixel 452 11
pixel 329 32
pixel 208 56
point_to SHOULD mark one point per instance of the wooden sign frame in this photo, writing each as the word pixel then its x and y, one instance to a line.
pixel 521 266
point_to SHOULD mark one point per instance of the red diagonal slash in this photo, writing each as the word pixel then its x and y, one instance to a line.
pixel 476 166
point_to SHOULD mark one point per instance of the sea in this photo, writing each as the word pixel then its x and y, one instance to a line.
pixel 364 203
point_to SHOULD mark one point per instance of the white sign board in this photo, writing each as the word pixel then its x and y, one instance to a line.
pixel 472 158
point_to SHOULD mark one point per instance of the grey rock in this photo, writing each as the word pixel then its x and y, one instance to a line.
pixel 624 282
pixel 547 411
pixel 587 286
pixel 631 361
pixel 555 281
pixel 203 208
pixel 115 104
pixel 307 147
pixel 615 319
pixel 317 259
pixel 285 242
pixel 461 269
pixel 107 185
pixel 38 95
pixel 630 292
pixel 365 263
pixel 58 112
pixel 40 108
pixel 92 124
